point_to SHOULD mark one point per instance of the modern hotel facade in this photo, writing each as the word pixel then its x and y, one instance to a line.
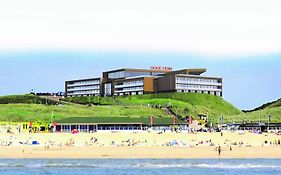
pixel 145 81
pixel 83 87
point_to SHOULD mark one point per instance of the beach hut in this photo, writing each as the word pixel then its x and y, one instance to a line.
pixel 93 124
pixel 40 126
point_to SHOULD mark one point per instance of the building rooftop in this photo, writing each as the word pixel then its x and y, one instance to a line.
pixel 86 79
pixel 138 70
pixel 198 71
pixel 118 120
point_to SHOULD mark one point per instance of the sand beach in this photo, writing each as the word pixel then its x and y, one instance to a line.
pixel 141 144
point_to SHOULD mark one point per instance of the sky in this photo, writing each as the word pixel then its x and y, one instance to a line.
pixel 44 43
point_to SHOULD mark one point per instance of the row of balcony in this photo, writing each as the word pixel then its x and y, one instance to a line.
pixel 84 84
pixel 198 83
pixel 198 89
pixel 83 93
pixel 129 85
pixel 83 89
pixel 128 90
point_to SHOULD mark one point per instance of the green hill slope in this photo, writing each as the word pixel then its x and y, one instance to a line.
pixel 272 108
pixel 254 116
pixel 273 104
pixel 26 99
pixel 185 103
pixel 30 107
pixel 35 112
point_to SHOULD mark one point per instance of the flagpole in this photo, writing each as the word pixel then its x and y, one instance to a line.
pixel 268 123
pixel 52 117
pixel 52 121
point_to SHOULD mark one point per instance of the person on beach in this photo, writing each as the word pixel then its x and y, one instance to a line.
pixel 219 150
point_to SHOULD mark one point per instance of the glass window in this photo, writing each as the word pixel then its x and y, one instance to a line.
pixel 120 74
pixel 137 74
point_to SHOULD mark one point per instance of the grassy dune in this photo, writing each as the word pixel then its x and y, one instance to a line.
pixel 272 108
pixel 34 112
pixel 275 114
pixel 185 103
pixel 34 108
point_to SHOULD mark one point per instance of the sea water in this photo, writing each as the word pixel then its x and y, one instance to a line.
pixel 140 166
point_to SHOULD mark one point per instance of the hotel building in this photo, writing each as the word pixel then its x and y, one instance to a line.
pixel 143 81
pixel 83 87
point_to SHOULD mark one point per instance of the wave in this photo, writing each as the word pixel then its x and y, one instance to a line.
pixel 43 165
pixel 141 165
pixel 210 166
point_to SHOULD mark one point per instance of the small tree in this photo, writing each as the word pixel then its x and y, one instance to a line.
pixel 186 110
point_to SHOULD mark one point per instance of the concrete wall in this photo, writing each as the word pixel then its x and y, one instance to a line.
pixel 166 84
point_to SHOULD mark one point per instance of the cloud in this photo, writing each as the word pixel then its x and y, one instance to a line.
pixel 216 27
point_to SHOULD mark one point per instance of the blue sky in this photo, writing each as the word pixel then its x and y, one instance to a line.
pixel 248 81
pixel 44 43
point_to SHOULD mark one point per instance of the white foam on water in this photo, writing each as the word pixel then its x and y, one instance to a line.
pixel 238 166
pixel 208 166
pixel 145 165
